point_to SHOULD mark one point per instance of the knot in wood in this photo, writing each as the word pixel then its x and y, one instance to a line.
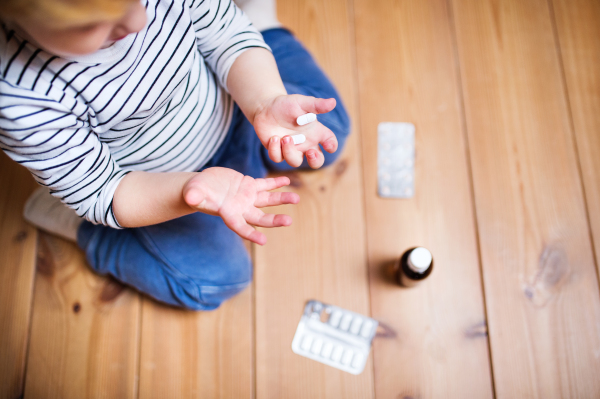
pixel 553 268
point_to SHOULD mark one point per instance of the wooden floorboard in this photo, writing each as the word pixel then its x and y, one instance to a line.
pixel 84 329
pixel 505 96
pixel 187 354
pixel 437 346
pixel 17 268
pixel 322 255
pixel 540 280
pixel 578 28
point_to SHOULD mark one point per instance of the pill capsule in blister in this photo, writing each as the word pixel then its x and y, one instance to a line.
pixel 316 347
pixel 345 322
pixel 334 320
pixel 366 329
pixel 306 118
pixel 355 327
pixel 337 353
pixel 357 361
pixel 299 138
pixel 327 348
pixel 347 356
pixel 306 342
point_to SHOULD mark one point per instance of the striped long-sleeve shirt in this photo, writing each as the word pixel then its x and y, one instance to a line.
pixel 155 101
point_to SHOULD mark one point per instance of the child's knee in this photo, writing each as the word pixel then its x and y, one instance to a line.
pixel 205 297
pixel 208 294
pixel 211 297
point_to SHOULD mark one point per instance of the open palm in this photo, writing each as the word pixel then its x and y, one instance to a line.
pixel 237 198
pixel 277 121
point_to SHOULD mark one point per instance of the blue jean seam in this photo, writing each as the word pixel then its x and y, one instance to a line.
pixel 218 289
pixel 151 245
pixel 207 289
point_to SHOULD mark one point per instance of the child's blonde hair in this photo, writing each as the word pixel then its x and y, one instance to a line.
pixel 64 12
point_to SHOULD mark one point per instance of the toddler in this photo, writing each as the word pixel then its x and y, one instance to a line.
pixel 155 123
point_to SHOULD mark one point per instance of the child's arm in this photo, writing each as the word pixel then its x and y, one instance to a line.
pixel 256 86
pixel 234 50
pixel 143 199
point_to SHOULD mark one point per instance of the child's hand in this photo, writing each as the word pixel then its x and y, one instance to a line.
pixel 236 199
pixel 275 122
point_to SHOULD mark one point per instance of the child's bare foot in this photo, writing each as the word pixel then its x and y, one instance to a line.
pixel 262 13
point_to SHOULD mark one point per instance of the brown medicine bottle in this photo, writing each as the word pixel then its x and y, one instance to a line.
pixel 414 265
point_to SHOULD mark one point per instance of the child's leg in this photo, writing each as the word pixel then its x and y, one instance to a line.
pixel 194 262
pixel 301 75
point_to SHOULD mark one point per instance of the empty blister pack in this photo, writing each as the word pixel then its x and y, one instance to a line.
pixel 334 336
pixel 396 160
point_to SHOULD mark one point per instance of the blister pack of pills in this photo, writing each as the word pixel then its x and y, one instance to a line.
pixel 334 336
pixel 396 160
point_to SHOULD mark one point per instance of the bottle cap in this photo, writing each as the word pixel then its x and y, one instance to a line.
pixel 419 259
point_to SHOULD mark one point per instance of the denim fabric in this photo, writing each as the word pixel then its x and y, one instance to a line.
pixel 195 261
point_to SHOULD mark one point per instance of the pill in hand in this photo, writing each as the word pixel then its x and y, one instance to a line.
pixel 299 138
pixel 306 118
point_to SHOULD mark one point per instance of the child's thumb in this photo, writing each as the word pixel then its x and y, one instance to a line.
pixel 193 196
pixel 317 105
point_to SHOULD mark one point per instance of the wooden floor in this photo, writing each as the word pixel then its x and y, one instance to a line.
pixel 505 97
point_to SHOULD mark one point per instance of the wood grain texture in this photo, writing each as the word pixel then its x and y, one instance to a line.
pixel 187 354
pixel 437 344
pixel 17 268
pixel 578 28
pixel 540 281
pixel 84 330
pixel 322 255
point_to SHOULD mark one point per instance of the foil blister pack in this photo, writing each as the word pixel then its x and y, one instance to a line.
pixel 334 336
pixel 396 160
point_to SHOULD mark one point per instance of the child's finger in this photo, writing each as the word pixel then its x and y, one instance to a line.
pixel 275 149
pixel 240 227
pixel 273 199
pixel 290 153
pixel 326 138
pixel 315 158
pixel 271 183
pixel 258 218
pixel 316 105
pixel 330 144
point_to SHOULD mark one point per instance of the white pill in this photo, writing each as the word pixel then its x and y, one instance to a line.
pixel 317 346
pixel 366 329
pixel 299 139
pixel 355 327
pixel 327 348
pixel 347 356
pixel 306 118
pixel 357 361
pixel 345 322
pixel 306 342
pixel 337 353
pixel 335 318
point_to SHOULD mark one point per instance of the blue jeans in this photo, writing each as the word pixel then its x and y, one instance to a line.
pixel 195 261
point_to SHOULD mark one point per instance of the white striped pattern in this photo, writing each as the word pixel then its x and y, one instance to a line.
pixel 155 101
